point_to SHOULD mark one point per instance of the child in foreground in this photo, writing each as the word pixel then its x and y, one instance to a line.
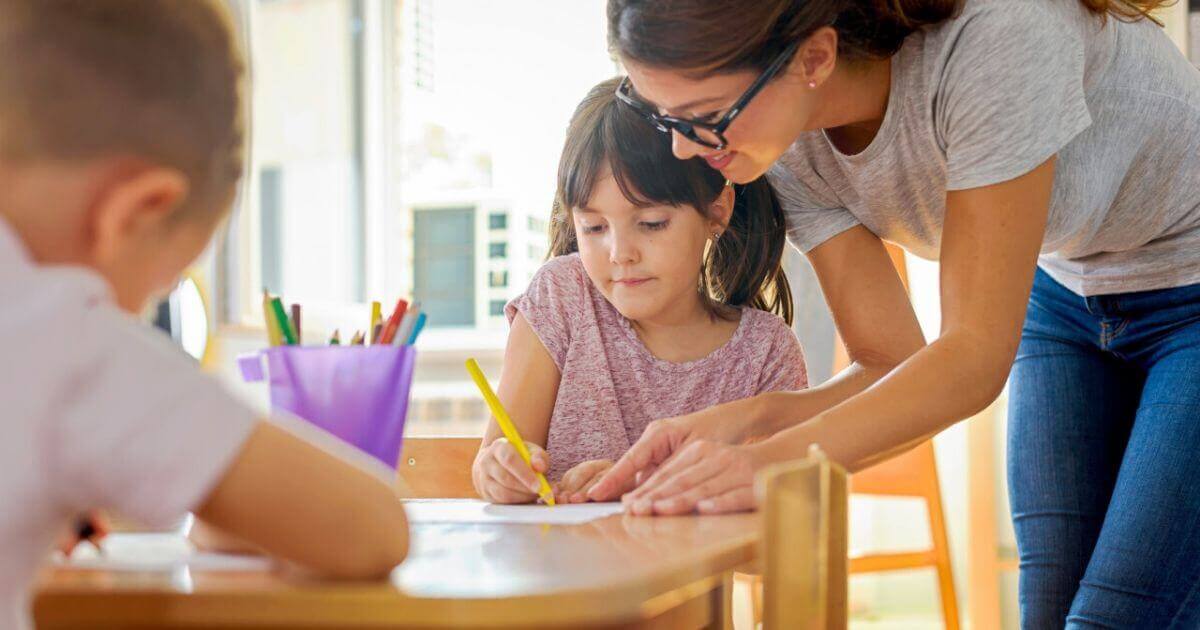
pixel 664 294
pixel 120 148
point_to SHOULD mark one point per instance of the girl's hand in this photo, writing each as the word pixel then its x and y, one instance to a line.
pixel 501 476
pixel 576 482
pixel 706 477
pixel 725 423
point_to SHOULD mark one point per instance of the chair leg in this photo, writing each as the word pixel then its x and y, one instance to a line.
pixel 941 555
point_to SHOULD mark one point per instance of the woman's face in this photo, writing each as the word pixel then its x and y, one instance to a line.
pixel 768 125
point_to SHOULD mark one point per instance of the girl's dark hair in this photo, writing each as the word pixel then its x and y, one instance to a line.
pixel 695 35
pixel 743 268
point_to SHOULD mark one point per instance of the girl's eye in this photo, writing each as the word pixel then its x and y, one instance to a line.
pixel 591 229
pixel 655 226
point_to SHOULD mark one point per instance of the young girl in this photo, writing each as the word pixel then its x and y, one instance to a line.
pixel 120 149
pixel 664 295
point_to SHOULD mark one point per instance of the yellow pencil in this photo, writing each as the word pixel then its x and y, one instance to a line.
pixel 376 317
pixel 274 332
pixel 507 426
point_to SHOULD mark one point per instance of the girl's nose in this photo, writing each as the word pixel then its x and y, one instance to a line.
pixel 622 250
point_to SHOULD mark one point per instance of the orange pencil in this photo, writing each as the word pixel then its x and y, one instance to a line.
pixel 393 322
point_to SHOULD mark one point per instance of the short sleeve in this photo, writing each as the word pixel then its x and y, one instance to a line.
pixel 1010 94
pixel 785 369
pixel 140 429
pixel 810 221
pixel 556 296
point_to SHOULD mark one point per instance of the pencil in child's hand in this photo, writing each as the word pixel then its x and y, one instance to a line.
pixel 335 339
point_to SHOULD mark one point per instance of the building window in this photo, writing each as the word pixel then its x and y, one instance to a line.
pixel 497 308
pixel 498 279
pixel 537 225
pixel 536 252
pixel 444 265
pixel 498 250
pixel 497 221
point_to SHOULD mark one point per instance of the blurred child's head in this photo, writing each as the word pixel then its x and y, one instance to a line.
pixel 657 235
pixel 121 139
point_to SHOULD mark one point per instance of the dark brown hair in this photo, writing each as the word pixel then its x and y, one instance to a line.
pixel 695 35
pixel 743 268
pixel 150 79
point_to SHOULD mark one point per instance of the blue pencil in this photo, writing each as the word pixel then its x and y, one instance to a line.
pixel 417 326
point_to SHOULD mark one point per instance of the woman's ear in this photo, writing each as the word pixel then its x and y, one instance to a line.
pixel 721 209
pixel 134 207
pixel 817 56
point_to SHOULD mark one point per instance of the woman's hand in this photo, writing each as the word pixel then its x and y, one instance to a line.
pixel 727 423
pixel 574 485
pixel 704 476
pixel 501 476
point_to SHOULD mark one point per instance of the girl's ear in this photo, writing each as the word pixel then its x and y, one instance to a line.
pixel 721 209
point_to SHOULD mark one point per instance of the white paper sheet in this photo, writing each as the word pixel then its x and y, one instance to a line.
pixel 154 552
pixel 471 511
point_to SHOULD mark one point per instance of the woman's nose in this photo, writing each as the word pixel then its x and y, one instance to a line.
pixel 683 148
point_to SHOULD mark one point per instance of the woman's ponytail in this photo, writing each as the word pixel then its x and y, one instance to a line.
pixel 744 267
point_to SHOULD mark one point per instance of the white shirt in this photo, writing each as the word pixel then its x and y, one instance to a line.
pixel 97 410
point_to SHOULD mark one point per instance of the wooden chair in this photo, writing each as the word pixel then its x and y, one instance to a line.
pixel 913 474
pixel 804 544
pixel 438 467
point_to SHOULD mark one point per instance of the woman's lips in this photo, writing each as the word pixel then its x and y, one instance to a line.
pixel 719 160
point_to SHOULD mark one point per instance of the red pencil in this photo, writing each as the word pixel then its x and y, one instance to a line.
pixel 393 322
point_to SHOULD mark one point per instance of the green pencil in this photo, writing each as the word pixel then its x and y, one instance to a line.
pixel 285 327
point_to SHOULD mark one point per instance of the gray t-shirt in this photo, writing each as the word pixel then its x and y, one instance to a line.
pixel 988 96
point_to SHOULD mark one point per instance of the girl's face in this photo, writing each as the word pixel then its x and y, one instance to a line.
pixel 646 261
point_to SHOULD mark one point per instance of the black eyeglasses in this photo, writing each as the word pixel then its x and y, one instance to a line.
pixel 711 135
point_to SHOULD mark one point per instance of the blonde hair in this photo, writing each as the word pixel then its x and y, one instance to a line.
pixel 152 79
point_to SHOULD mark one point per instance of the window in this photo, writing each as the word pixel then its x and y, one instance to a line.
pixel 389 140
pixel 444 265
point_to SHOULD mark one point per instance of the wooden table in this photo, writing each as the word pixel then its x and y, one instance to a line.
pixel 620 571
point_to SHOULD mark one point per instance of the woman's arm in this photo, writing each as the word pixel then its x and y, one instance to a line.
pixel 528 389
pixel 876 322
pixel 990 242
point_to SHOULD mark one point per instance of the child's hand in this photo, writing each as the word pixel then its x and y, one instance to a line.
pixel 501 476
pixel 576 482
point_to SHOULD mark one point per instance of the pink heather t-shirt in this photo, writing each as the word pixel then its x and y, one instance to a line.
pixel 612 386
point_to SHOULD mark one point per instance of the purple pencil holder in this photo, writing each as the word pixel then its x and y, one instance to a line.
pixel 359 394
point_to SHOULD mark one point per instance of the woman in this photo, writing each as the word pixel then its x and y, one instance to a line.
pixel 1049 147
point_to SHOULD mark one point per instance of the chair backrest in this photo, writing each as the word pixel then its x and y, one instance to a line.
pixel 804 544
pixel 911 474
pixel 438 467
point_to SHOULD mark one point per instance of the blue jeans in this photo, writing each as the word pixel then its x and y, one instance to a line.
pixel 1104 458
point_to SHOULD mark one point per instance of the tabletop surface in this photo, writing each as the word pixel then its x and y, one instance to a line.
pixel 603 571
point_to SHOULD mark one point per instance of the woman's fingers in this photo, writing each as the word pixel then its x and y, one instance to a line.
pixel 739 499
pixel 701 472
pixel 657 443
